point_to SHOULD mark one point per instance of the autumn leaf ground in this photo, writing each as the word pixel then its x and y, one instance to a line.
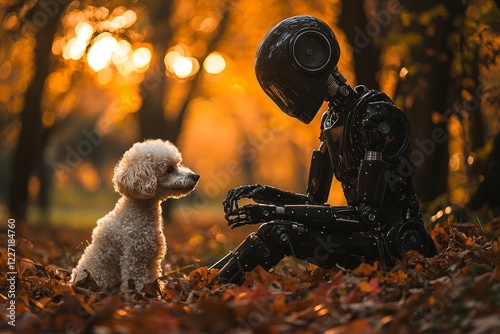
pixel 457 291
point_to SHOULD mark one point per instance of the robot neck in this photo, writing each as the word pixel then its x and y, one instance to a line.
pixel 339 93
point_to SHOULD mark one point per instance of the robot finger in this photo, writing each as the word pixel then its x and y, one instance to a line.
pixel 247 191
pixel 230 203
pixel 239 217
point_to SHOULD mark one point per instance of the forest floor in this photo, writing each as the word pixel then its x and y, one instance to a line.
pixel 457 291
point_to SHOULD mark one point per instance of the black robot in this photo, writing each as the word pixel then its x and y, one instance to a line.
pixel 365 143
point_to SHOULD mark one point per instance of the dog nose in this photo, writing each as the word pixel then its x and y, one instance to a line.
pixel 195 177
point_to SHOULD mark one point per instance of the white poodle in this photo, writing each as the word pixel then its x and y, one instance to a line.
pixel 128 243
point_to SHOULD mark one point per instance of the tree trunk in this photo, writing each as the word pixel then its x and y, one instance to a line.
pixel 152 120
pixel 44 19
pixel 361 34
pixel 151 114
pixel 426 90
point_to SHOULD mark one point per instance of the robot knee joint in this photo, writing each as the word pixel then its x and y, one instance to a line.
pixel 276 232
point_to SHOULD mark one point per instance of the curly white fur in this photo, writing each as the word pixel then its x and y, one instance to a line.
pixel 128 243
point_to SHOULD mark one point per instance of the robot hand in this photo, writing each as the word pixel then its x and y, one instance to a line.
pixel 261 194
pixel 230 203
pixel 249 215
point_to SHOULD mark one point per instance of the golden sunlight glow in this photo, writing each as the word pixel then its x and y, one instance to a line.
pixel 214 63
pixel 403 72
pixel 48 118
pixel 104 76
pixel 124 21
pixel 455 162
pixel 170 58
pixel 88 176
pixel 84 31
pixel 180 65
pixel 75 48
pixel 101 52
pixel 121 18
pixel 141 57
pixel 122 53
pixel 107 48
pixel 205 24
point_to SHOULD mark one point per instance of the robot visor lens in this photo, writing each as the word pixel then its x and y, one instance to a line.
pixel 310 50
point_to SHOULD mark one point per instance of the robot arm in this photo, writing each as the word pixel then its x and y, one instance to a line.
pixel 320 179
pixel 260 194
pixel 320 175
pixel 341 219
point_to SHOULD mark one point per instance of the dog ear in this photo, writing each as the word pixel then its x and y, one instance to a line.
pixel 135 179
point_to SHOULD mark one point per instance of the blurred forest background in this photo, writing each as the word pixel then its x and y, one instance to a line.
pixel 81 81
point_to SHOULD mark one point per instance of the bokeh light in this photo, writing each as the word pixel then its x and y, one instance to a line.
pixel 177 62
pixel 214 63
pixel 122 52
pixel 141 57
pixel 108 48
pixel 84 31
pixel 101 52
pixel 403 72
pixel 74 49
pixel 182 67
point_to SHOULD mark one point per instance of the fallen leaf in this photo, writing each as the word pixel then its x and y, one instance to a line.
pixel 358 326
pixel 366 269
pixel 364 287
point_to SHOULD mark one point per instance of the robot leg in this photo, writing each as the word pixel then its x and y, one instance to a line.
pixel 410 236
pixel 279 238
pixel 253 251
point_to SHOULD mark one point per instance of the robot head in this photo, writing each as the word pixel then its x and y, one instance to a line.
pixel 293 62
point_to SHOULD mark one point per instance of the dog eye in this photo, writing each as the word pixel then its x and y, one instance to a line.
pixel 170 169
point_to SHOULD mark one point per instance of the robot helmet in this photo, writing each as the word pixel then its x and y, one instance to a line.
pixel 293 62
